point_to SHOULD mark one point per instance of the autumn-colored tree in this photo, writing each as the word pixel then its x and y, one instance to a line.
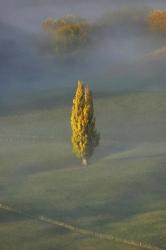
pixel 157 20
pixel 84 134
pixel 69 34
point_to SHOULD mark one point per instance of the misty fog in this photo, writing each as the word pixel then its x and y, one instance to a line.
pixel 115 59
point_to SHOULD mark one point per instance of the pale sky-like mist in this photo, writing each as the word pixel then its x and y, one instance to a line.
pixel 113 61
pixel 28 14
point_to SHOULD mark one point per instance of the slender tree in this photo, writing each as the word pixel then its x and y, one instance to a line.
pixel 84 134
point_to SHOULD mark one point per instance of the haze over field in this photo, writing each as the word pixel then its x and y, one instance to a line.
pixel 112 61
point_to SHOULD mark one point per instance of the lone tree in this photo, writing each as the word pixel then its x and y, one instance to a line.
pixel 84 134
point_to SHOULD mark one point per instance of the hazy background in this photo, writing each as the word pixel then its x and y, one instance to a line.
pixel 114 60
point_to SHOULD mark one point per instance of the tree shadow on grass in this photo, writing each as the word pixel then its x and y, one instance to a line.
pixel 67 162
pixel 141 194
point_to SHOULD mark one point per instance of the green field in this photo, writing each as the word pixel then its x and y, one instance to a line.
pixel 121 192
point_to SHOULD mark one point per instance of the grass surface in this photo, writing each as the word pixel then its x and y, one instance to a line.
pixel 121 192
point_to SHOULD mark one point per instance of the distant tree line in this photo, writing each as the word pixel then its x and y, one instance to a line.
pixel 68 34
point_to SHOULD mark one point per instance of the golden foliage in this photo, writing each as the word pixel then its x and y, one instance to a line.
pixel 69 33
pixel 157 20
pixel 84 135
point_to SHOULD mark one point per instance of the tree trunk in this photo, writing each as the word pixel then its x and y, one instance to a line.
pixel 84 161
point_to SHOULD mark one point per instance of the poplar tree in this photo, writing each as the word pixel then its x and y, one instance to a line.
pixel 84 134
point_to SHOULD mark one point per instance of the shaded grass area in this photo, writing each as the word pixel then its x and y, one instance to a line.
pixel 121 192
pixel 28 234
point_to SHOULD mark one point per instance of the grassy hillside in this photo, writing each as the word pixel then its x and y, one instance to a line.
pixel 27 234
pixel 121 192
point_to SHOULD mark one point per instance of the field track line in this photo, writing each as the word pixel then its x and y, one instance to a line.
pixel 70 227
